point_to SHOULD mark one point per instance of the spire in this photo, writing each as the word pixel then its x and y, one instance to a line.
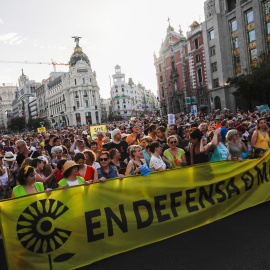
pixel 22 72
pixel 180 30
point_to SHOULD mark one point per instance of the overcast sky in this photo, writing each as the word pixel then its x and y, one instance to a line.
pixel 114 32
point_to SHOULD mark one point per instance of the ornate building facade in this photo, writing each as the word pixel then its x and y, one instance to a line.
pixel 7 95
pixel 20 105
pixel 180 71
pixel 73 98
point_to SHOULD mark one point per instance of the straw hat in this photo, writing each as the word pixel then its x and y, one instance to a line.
pixel 106 140
pixel 70 164
pixel 9 156
pixel 124 135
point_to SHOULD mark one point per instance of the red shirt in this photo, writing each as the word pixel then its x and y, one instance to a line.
pixel 89 174
pixel 59 176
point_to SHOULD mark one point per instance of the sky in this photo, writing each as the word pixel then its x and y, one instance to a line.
pixel 114 32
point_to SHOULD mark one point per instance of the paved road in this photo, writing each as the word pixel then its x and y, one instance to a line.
pixel 241 241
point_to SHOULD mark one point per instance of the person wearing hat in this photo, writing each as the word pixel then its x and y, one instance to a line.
pixel 11 164
pixel 131 139
pixel 118 144
pixel 70 172
pixel 218 121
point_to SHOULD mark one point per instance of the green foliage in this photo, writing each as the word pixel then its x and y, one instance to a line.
pixel 113 117
pixel 254 86
pixel 17 123
pixel 33 124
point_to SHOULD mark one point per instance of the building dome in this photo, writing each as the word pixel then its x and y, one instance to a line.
pixel 78 55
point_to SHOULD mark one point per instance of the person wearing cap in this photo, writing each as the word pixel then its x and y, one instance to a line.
pixel 131 139
pixel 70 172
pixel 79 142
pixel 118 144
pixel 27 183
pixel 218 121
pixel 11 164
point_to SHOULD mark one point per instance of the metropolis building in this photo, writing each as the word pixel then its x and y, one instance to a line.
pixel 73 98
pixel 235 34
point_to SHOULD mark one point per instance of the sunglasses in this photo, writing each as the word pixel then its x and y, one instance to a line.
pixel 174 142
pixel 103 159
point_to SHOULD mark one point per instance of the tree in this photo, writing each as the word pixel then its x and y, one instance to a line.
pixel 254 87
pixel 17 123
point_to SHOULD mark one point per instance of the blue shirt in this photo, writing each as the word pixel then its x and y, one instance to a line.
pixel 112 172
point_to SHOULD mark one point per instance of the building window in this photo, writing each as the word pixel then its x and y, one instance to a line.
pixel 162 90
pixel 212 50
pixel 211 34
pixel 75 82
pixel 202 101
pixel 198 58
pixel 214 67
pixel 124 106
pixel 215 83
pixel 196 43
pixel 231 5
pixel 161 79
pixel 76 94
pixel 83 80
pixel 268 28
pixel 237 61
pixel 251 36
pixel 160 69
pixel 235 43
pixel 86 103
pixel 78 104
pixel 84 93
pixel 199 75
pixel 250 17
pixel 233 25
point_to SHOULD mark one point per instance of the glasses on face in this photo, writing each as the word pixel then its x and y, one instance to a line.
pixel 173 142
pixel 31 175
pixel 103 159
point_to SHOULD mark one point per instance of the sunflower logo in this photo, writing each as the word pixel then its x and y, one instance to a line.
pixel 36 226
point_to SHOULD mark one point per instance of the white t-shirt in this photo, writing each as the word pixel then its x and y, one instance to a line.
pixel 78 151
pixel 73 183
pixel 96 165
pixel 156 163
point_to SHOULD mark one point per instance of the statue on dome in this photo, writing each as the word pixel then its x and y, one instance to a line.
pixel 77 40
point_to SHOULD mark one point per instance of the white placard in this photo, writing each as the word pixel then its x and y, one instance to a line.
pixel 171 119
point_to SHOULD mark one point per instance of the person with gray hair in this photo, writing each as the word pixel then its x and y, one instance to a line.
pixel 118 144
pixel 24 152
pixel 57 153
pixel 235 146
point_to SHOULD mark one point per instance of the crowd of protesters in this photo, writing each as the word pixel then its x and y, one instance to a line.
pixel 31 162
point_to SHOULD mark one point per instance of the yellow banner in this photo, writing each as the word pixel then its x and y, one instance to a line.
pixel 69 228
pixel 95 129
pixel 41 129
